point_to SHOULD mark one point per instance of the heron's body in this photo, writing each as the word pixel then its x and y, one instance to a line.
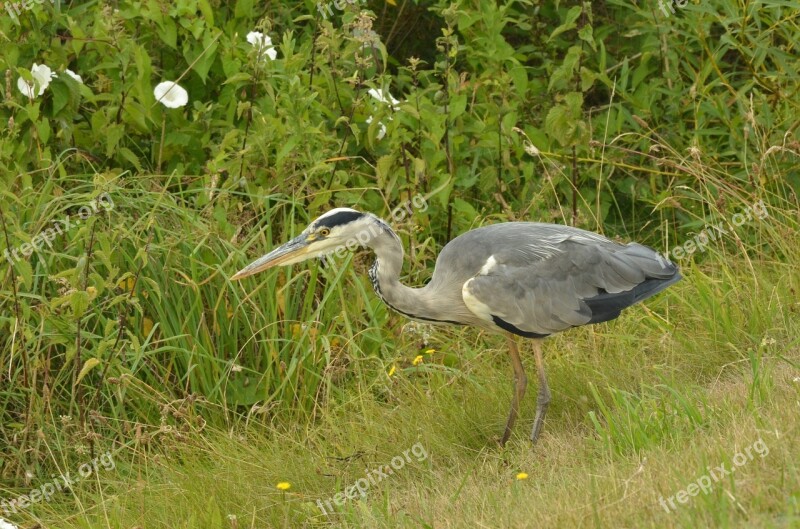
pixel 526 278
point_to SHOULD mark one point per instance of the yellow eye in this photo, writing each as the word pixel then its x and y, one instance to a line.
pixel 323 232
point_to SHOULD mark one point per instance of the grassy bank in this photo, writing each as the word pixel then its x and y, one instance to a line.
pixel 643 406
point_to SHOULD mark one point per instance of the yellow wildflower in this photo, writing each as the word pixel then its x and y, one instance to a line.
pixel 522 475
pixel 418 360
pixel 284 485
pixel 392 370
pixel 430 351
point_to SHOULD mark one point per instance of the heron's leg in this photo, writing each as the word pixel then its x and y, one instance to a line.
pixel 543 397
pixel 520 383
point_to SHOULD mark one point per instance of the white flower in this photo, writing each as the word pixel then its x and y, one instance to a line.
pixel 381 131
pixel 7 525
pixel 170 94
pixel 73 75
pixel 263 43
pixel 42 74
pixel 387 98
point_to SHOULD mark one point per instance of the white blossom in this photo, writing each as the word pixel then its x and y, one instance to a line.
pixel 42 74
pixel 263 43
pixel 381 131
pixel 171 94
pixel 387 98
pixel 7 525
pixel 74 75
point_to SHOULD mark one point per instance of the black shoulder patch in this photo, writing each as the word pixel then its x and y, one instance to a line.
pixel 337 219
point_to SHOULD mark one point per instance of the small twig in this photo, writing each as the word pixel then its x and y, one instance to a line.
pixel 161 145
pixel 78 356
pixel 359 84
pixel 314 49
pixel 123 318
pixel 17 314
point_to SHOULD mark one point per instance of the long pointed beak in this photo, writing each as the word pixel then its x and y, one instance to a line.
pixel 289 253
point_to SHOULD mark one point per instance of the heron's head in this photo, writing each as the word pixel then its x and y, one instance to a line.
pixel 337 230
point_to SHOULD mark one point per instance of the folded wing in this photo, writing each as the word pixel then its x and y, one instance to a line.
pixel 573 281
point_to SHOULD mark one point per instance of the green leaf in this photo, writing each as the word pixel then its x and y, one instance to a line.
pixel 244 8
pixel 113 134
pixel 520 77
pixel 569 22
pixel 238 78
pixel 458 105
pixel 563 74
pixel 79 301
pixel 25 270
pixel 128 155
pixel 88 365
pixel 206 54
pixel 383 167
pixel 586 35
pixel 43 126
pixel 169 33
pixel 563 121
pixel 207 11
pixel 61 96
pixel 587 79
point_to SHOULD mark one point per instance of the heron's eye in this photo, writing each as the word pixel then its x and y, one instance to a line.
pixel 324 232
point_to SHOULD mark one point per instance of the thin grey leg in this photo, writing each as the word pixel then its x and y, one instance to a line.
pixel 520 383
pixel 543 396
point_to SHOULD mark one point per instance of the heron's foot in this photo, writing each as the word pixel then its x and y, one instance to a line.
pixel 512 418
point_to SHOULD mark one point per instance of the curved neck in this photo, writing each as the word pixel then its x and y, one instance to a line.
pixel 385 277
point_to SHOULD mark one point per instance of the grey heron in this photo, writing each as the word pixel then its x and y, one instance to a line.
pixel 525 279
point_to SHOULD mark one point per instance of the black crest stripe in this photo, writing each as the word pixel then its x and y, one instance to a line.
pixel 337 219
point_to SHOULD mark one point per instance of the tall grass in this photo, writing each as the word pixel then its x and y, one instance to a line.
pixel 127 335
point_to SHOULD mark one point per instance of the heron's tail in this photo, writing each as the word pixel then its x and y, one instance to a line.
pixel 659 274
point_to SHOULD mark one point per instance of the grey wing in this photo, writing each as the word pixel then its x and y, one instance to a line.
pixel 575 282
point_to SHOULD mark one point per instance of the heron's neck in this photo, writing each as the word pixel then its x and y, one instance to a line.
pixel 385 276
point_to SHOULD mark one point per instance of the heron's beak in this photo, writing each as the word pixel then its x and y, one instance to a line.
pixel 292 252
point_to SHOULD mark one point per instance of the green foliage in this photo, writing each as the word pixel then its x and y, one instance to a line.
pixel 616 118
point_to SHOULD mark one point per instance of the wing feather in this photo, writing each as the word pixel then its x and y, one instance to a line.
pixel 567 282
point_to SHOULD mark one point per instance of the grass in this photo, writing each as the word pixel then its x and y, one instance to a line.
pixel 643 407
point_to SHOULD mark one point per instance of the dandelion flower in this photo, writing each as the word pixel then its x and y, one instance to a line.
pixel 263 43
pixel 522 475
pixel 430 351
pixel 171 94
pixel 386 97
pixel 73 75
pixel 392 370
pixel 42 74
pixel 418 360
pixel 381 130
pixel 284 485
